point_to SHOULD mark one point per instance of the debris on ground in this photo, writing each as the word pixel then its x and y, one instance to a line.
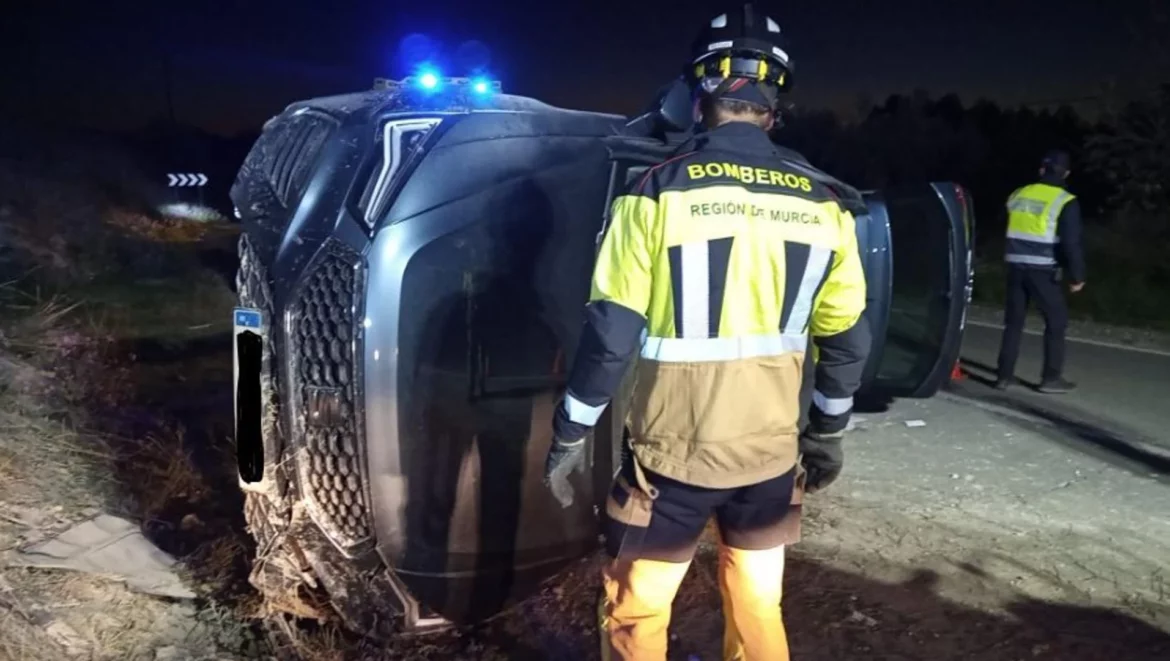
pixel 109 547
pixel 857 617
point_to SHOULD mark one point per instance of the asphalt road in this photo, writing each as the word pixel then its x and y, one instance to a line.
pixel 1121 406
pixel 996 503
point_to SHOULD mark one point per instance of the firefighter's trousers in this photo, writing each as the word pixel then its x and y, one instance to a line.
pixel 651 542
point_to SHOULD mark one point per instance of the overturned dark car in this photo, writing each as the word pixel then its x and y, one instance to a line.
pixel 414 265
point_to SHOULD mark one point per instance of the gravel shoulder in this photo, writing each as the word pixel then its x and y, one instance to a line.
pixel 974 535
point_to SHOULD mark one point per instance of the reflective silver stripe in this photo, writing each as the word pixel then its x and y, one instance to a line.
pixel 1054 215
pixel 582 413
pixel 832 405
pixel 1034 238
pixel 1030 259
pixel 814 272
pixel 696 290
pixel 1026 205
pixel 686 350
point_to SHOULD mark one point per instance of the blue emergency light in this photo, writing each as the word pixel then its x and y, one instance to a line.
pixel 428 80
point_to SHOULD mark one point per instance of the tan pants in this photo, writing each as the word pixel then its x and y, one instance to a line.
pixel 634 613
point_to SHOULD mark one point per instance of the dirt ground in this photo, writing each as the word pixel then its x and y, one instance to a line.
pixel 110 403
pixel 971 537
pixel 973 534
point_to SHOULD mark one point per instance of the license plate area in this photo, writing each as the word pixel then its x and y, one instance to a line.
pixel 248 339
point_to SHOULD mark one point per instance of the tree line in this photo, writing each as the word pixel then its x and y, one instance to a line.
pixel 1121 161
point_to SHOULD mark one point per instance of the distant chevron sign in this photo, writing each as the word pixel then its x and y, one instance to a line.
pixel 183 179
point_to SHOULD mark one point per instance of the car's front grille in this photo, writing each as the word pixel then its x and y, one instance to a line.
pixel 284 154
pixel 324 356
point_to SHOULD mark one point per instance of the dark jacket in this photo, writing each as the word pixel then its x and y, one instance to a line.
pixel 1069 229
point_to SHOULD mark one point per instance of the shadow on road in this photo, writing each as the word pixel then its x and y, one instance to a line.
pixel 989 378
pixel 1069 426
pixel 853 617
pixel 872 402
pixel 831 615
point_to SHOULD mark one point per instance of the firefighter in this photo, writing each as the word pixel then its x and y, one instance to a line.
pixel 716 268
pixel 1042 217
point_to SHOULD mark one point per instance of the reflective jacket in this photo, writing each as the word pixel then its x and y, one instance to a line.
pixel 1033 217
pixel 716 267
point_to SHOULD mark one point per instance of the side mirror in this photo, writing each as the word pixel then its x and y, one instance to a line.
pixel 671 112
pixel 675 107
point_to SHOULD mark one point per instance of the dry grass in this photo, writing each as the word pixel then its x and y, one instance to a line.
pixel 99 302
pixel 168 472
pixel 56 469
pixel 44 458
pixel 52 474
pixel 163 230
pixel 218 562
pixel 103 619
pixel 328 643
pixel 53 223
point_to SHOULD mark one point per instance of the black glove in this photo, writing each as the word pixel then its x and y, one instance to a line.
pixel 563 458
pixel 822 460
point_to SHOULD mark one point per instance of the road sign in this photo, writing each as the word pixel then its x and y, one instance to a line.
pixel 186 180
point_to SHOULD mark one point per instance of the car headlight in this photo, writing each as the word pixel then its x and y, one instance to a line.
pixel 402 140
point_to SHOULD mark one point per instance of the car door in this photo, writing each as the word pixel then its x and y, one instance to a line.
pixel 916 244
pixel 630 158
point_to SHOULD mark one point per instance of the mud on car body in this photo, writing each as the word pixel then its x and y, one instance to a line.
pixel 413 271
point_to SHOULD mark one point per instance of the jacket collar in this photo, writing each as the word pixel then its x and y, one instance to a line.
pixel 736 136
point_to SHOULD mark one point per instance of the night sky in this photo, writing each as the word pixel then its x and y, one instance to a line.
pixel 234 63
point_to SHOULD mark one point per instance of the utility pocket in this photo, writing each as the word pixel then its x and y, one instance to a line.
pixel 789 530
pixel 628 512
pixel 628 505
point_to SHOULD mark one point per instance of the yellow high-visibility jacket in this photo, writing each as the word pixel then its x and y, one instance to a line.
pixel 1034 213
pixel 717 266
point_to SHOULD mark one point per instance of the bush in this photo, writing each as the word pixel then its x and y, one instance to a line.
pixel 73 232
pixel 1128 280
pixel 1133 153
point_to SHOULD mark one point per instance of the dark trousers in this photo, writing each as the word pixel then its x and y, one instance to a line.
pixel 1043 285
pixel 667 528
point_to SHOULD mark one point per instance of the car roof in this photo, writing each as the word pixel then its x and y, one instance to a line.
pixel 374 102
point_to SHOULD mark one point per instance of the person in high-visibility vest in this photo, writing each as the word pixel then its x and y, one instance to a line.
pixel 1043 242
pixel 721 267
